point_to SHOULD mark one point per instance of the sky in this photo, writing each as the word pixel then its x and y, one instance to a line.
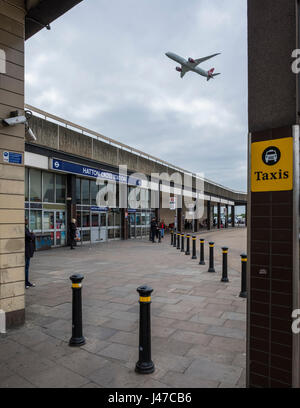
pixel 103 66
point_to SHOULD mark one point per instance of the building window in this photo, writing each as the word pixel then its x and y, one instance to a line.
pixel 85 191
pixel 48 187
pixel 78 191
pixel 60 188
pixel 94 192
pixel 35 185
pixel 48 220
pixel 35 222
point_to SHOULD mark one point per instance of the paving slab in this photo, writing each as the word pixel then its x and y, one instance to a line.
pixel 198 323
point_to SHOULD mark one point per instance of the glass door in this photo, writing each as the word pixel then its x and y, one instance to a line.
pixel 95 227
pixel 60 228
pixel 132 226
pixel 48 225
pixel 103 226
pixel 138 225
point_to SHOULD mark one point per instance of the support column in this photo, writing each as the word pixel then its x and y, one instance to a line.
pixel 208 215
pixel 233 216
pixel 124 223
pixel 226 216
pixel 219 215
pixel 12 286
pixel 71 202
pixel 179 219
pixel 273 349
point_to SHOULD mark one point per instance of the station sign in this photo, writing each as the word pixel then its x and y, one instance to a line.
pixel 172 203
pixel 12 157
pixel 75 168
pixel 272 165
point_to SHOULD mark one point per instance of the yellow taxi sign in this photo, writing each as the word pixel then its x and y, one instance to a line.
pixel 272 165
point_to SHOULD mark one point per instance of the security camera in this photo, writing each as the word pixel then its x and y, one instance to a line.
pixel 15 120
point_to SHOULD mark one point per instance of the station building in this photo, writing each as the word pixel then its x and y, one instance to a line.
pixel 61 171
pixel 52 179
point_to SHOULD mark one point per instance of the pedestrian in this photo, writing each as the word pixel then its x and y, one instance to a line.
pixel 72 232
pixel 29 251
pixel 153 227
pixel 162 228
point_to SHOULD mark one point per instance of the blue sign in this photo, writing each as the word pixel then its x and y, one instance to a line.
pixel 13 158
pixel 74 168
pixel 99 208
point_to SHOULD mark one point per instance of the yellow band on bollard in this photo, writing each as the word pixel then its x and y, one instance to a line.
pixel 211 246
pixel 225 252
pixel 202 241
pixel 244 259
pixel 76 285
pixel 194 239
pixel 145 299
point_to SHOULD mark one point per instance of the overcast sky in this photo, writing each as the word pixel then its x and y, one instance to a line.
pixel 103 66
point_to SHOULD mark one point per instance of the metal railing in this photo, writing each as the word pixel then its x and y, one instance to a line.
pixel 95 135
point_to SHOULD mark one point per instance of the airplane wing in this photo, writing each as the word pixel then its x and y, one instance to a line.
pixel 200 60
pixel 184 70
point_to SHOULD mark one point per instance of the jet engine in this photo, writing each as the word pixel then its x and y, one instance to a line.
pixel 191 60
pixel 178 69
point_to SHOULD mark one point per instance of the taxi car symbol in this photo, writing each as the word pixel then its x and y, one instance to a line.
pixel 271 156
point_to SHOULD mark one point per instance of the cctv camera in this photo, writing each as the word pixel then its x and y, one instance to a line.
pixel 30 136
pixel 16 120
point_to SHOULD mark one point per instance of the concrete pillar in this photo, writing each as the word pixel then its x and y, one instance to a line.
pixel 71 202
pixel 208 215
pixel 124 223
pixel 233 216
pixel 179 219
pixel 226 216
pixel 218 215
pixel 12 287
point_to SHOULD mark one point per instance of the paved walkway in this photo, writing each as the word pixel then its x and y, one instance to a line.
pixel 198 323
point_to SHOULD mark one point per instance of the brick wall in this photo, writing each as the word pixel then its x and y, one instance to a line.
pixel 12 176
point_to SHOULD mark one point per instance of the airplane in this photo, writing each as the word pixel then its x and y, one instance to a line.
pixel 192 65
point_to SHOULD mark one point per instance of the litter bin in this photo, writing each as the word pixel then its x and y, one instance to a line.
pixel 43 241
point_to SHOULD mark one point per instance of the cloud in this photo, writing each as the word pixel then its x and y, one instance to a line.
pixel 103 66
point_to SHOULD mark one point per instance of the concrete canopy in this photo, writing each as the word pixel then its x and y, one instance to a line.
pixel 40 13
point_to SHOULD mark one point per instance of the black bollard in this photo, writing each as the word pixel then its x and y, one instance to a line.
pixel 201 252
pixel 243 293
pixel 187 252
pixel 178 240
pixel 182 242
pixel 77 338
pixel 224 268
pixel 211 257
pixel 145 364
pixel 172 237
pixel 194 239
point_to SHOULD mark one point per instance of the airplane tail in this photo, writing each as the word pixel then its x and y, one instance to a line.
pixel 211 75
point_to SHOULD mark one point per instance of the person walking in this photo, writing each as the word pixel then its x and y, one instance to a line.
pixel 72 231
pixel 153 227
pixel 162 228
pixel 29 251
